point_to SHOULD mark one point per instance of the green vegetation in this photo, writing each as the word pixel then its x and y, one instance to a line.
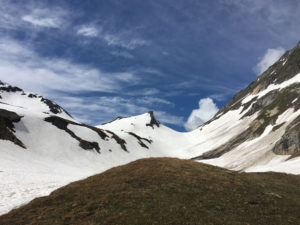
pixel 168 191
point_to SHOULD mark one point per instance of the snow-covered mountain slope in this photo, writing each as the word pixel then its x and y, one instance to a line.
pixel 16 97
pixel 270 108
pixel 42 147
pixel 41 150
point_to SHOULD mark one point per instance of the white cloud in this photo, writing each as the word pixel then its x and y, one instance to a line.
pixel 207 109
pixel 22 66
pixel 143 92
pixel 151 101
pixel 43 22
pixel 51 18
pixel 123 41
pixel 32 16
pixel 88 31
pixel 269 58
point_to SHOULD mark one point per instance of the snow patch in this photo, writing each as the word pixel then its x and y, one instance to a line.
pixel 271 87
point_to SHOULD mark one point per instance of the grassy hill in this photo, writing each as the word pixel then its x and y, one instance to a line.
pixel 167 191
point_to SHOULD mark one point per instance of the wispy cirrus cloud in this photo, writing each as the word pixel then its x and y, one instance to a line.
pixel 122 40
pixel 46 75
pixel 154 101
pixel 88 31
pixel 59 79
pixel 45 18
pixel 143 92
pixel 30 16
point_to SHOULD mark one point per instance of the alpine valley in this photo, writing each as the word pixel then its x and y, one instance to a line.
pixel 42 148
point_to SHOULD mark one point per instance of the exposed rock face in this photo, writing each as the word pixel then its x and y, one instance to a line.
pixel 7 118
pixel 63 125
pixel 119 140
pixel 54 108
pixel 289 144
pixel 153 121
pixel 9 88
pixel 141 140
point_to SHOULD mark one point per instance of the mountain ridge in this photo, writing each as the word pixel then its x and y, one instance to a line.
pixel 257 131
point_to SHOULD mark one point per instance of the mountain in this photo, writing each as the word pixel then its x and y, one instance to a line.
pixel 270 108
pixel 168 191
pixel 44 148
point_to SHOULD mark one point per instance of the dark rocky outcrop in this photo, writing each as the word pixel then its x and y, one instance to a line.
pixel 63 125
pixel 7 120
pixel 119 140
pixel 9 88
pixel 141 140
pixel 32 95
pixel 153 122
pixel 53 107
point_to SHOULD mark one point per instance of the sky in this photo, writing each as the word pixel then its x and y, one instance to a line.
pixel 182 59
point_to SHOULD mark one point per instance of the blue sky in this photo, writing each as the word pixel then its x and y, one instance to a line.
pixel 101 59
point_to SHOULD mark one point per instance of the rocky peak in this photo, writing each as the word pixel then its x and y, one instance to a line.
pixel 10 94
pixel 9 88
pixel 153 122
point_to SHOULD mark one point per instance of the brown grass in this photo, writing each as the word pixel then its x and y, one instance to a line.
pixel 167 191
